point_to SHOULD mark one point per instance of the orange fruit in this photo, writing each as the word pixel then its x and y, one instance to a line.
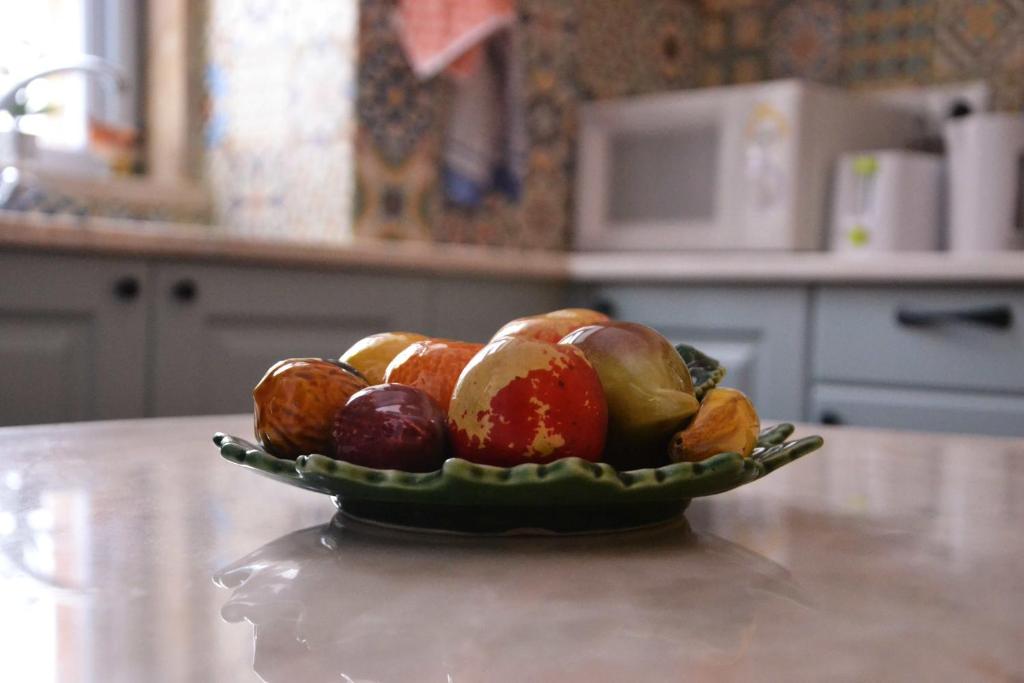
pixel 433 366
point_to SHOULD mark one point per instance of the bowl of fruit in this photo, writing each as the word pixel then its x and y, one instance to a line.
pixel 564 422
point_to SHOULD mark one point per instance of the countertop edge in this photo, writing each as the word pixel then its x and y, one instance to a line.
pixel 799 268
pixel 113 237
pixel 201 243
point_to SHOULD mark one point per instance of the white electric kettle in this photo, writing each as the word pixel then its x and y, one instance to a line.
pixel 985 156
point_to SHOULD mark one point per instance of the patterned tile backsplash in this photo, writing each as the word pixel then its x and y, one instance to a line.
pixel 314 116
pixel 280 88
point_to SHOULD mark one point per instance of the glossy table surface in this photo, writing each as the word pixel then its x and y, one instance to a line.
pixel 132 551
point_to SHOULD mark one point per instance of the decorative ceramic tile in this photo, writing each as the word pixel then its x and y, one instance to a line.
pixel 804 40
pixel 670 54
pixel 279 92
pixel 550 46
pixel 981 38
pixel 733 42
pixel 623 50
pixel 394 108
pixel 1008 81
pixel 606 50
pixel 888 42
pixel 396 202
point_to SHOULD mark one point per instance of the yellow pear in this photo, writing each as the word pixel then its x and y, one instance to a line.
pixel 371 355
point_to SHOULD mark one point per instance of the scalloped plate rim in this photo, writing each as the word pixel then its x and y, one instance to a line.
pixel 459 481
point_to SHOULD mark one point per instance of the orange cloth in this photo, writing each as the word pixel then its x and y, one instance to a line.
pixel 448 34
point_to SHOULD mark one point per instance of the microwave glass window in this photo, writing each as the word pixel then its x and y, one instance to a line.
pixel 663 176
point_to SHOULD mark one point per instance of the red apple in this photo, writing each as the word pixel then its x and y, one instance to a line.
pixel 520 401
pixel 549 327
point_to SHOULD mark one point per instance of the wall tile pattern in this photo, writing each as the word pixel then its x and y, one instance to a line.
pixel 284 117
pixel 278 116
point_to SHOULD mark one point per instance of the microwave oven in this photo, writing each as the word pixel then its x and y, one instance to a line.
pixel 735 167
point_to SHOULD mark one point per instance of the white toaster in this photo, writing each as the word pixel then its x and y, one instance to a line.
pixel 886 200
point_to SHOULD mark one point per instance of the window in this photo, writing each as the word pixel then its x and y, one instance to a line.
pixel 60 109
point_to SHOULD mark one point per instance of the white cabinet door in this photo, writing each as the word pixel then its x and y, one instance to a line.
pixel 758 334
pixel 72 338
pixel 217 329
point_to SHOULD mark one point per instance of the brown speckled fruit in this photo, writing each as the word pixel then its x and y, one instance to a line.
pixel 725 422
pixel 295 404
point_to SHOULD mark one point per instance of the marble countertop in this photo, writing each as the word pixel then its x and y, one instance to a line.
pixel 197 242
pixel 132 551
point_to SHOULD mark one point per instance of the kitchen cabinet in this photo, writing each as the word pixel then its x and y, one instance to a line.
pixel 86 338
pixel 218 328
pixel 473 310
pixel 99 337
pixel 759 334
pixel 935 337
pixel 929 358
pixel 919 409
pixel 72 333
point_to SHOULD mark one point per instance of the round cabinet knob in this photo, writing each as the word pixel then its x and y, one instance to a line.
pixel 604 306
pixel 185 290
pixel 830 417
pixel 127 288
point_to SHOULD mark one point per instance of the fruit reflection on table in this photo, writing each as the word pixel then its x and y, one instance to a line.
pixel 569 383
pixel 335 600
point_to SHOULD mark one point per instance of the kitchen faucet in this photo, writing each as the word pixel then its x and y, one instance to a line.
pixel 23 146
pixel 88 64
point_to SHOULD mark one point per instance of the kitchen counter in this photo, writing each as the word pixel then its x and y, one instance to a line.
pixel 132 551
pixel 206 243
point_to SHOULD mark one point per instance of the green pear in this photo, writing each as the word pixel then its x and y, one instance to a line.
pixel 648 388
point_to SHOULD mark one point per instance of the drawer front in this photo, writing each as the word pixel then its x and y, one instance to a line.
pixel 919 409
pixel 921 337
pixel 759 334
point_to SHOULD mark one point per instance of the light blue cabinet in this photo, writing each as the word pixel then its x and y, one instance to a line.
pixel 86 338
pixel 218 328
pixel 72 338
pixel 927 358
pixel 473 309
pixel 937 337
pixel 919 409
pixel 95 338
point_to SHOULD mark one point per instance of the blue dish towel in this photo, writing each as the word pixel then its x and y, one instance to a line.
pixel 485 142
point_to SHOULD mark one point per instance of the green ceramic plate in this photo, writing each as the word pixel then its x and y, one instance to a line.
pixel 568 495
pixel 705 371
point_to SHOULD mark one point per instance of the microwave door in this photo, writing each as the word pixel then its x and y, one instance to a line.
pixel 650 174
pixel 663 186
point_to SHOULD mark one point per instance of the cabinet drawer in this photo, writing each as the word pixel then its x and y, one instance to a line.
pixel 920 409
pixel 921 337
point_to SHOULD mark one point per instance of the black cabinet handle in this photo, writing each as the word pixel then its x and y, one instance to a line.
pixel 604 306
pixel 185 290
pixel 996 317
pixel 127 288
pixel 829 417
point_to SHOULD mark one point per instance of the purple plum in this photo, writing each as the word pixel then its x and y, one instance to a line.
pixel 391 426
